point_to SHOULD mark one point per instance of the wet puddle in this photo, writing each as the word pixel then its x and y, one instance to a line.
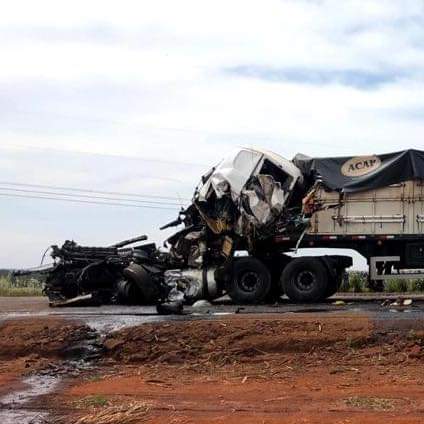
pixel 12 406
pixel 18 407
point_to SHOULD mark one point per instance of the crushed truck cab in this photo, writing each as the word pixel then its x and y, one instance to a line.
pixel 253 185
pixel 239 205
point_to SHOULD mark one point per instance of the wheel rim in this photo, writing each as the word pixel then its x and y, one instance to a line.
pixel 249 281
pixel 305 280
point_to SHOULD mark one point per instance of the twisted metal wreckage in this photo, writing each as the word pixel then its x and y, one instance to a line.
pixel 245 203
pixel 241 201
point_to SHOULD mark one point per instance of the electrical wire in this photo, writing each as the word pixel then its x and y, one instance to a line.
pixel 44 255
pixel 82 190
pixel 140 127
pixel 10 146
pixel 88 196
pixel 25 196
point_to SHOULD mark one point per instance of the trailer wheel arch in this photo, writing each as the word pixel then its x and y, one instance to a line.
pixel 335 265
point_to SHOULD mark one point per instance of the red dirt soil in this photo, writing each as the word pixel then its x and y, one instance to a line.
pixel 45 337
pixel 28 345
pixel 255 369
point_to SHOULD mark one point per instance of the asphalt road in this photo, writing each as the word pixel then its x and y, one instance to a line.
pixel 378 307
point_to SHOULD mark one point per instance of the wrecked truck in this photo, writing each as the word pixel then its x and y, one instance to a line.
pixel 257 203
pixel 227 243
pixel 238 203
pixel 253 210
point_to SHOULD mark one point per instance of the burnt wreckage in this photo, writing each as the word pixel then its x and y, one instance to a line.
pixel 247 213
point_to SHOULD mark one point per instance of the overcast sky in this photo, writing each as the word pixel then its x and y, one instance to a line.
pixel 144 96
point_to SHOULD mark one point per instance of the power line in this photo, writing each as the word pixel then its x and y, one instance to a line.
pixel 76 189
pixel 25 196
pixel 149 127
pixel 89 196
pixel 11 146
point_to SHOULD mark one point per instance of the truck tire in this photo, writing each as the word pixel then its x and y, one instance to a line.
pixel 250 283
pixel 147 289
pixel 127 293
pixel 305 279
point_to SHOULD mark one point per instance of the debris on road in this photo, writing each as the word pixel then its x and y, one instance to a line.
pixel 400 302
pixel 201 304
pixel 83 300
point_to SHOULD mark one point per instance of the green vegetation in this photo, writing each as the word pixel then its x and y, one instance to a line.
pixel 20 287
pixel 398 285
pixel 357 283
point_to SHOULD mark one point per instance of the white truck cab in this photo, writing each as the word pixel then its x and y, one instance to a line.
pixel 233 173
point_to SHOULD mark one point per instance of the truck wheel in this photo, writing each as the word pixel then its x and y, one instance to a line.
pixel 305 280
pixel 127 293
pixel 251 281
pixel 147 289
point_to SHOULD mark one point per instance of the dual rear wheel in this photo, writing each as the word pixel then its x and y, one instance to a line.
pixel 304 279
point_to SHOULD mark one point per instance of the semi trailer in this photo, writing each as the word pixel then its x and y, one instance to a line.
pixel 385 225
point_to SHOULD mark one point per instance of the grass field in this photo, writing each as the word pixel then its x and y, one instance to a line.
pixel 358 284
pixel 27 287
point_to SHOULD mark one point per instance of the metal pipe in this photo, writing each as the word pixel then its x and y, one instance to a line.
pixel 130 241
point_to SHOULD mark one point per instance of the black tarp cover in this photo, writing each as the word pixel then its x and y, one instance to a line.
pixel 383 170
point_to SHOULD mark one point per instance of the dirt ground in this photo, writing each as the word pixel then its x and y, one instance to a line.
pixel 29 345
pixel 247 369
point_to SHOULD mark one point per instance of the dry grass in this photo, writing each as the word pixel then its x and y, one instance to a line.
pixel 92 401
pixel 375 404
pixel 131 413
